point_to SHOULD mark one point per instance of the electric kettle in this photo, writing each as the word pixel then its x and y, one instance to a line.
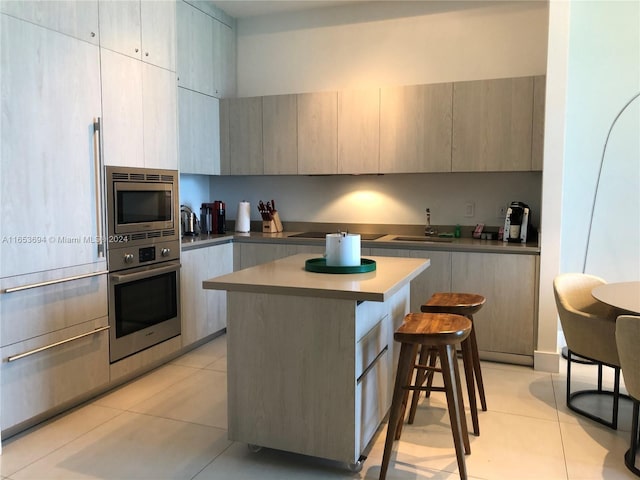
pixel 188 221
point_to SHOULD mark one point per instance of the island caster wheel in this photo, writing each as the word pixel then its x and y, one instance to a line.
pixel 356 467
pixel 254 448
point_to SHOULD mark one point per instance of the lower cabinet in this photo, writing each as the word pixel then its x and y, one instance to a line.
pixel 250 254
pixel 436 278
pixel 203 312
pixel 55 348
pixel 506 323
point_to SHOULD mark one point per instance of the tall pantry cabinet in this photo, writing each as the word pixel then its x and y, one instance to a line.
pixel 53 286
pixel 68 68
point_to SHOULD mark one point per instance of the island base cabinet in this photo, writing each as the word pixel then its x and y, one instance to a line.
pixel 310 375
pixel 50 379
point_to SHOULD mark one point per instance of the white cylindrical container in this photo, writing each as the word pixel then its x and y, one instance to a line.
pixel 343 250
pixel 243 220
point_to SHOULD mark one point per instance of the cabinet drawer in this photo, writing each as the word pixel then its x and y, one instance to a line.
pixel 38 311
pixel 368 314
pixel 374 399
pixel 371 345
pixel 37 383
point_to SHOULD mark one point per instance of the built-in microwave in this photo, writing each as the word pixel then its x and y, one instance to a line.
pixel 142 205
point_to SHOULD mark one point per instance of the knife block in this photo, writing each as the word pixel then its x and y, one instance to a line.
pixel 272 226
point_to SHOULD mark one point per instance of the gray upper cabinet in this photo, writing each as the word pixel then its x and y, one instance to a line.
pixel 245 136
pixel 415 128
pixel 77 19
pixel 280 134
pixel 537 141
pixel 492 125
pixel 142 30
pixel 359 131
pixel 48 199
pixel 318 133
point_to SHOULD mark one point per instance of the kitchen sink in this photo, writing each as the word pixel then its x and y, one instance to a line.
pixel 424 239
pixel 363 236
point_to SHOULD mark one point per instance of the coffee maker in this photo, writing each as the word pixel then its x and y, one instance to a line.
pixel 212 218
pixel 516 223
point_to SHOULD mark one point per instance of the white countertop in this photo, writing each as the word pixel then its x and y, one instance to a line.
pixel 287 276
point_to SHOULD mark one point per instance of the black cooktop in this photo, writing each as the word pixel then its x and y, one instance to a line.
pixel 363 236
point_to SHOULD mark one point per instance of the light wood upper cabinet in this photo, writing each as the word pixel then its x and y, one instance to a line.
pixel 77 19
pixel 122 110
pixel 537 141
pixel 195 44
pixel 245 136
pixel 206 52
pixel 280 134
pixel 120 27
pixel 50 99
pixel 317 133
pixel 359 131
pixel 224 60
pixel 415 128
pixel 199 133
pixel 140 115
pixel 225 154
pixel 142 30
pixel 159 117
pixel 492 124
pixel 159 33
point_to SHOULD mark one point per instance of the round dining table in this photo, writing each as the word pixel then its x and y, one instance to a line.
pixel 622 295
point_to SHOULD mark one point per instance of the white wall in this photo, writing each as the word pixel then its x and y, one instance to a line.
pixel 603 75
pixel 390 43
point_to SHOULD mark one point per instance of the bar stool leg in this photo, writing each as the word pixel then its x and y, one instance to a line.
pixel 454 403
pixel 467 360
pixel 405 398
pixel 405 367
pixel 421 375
pixel 476 366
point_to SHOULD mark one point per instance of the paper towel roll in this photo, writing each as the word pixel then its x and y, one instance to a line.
pixel 343 250
pixel 243 220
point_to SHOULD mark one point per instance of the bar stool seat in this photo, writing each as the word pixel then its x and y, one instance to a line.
pixel 466 304
pixel 444 332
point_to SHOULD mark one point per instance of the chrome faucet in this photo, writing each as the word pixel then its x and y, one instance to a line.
pixel 428 229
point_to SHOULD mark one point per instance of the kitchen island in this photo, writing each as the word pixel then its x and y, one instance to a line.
pixel 311 355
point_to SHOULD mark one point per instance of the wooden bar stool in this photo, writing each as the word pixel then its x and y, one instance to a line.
pixel 460 304
pixel 443 332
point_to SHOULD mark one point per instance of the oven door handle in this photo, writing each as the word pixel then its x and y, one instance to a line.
pixel 150 272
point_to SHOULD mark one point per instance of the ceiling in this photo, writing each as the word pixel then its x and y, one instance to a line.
pixel 252 8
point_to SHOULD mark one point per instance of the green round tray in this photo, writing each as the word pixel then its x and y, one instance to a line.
pixel 319 265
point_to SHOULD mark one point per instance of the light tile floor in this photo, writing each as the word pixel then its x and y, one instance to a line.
pixel 171 423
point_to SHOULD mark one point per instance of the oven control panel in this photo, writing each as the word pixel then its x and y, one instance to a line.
pixel 123 258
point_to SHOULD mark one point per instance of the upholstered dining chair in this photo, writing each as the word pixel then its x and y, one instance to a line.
pixel 589 328
pixel 628 340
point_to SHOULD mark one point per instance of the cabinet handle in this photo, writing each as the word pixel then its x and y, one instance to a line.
pixel 97 132
pixel 372 364
pixel 53 282
pixel 13 358
pixel 137 50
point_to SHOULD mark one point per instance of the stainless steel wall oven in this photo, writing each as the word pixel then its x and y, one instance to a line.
pixel 143 258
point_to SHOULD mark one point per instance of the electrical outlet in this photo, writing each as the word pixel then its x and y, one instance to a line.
pixel 501 211
pixel 469 209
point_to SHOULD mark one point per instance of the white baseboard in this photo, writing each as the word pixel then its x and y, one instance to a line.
pixel 546 361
